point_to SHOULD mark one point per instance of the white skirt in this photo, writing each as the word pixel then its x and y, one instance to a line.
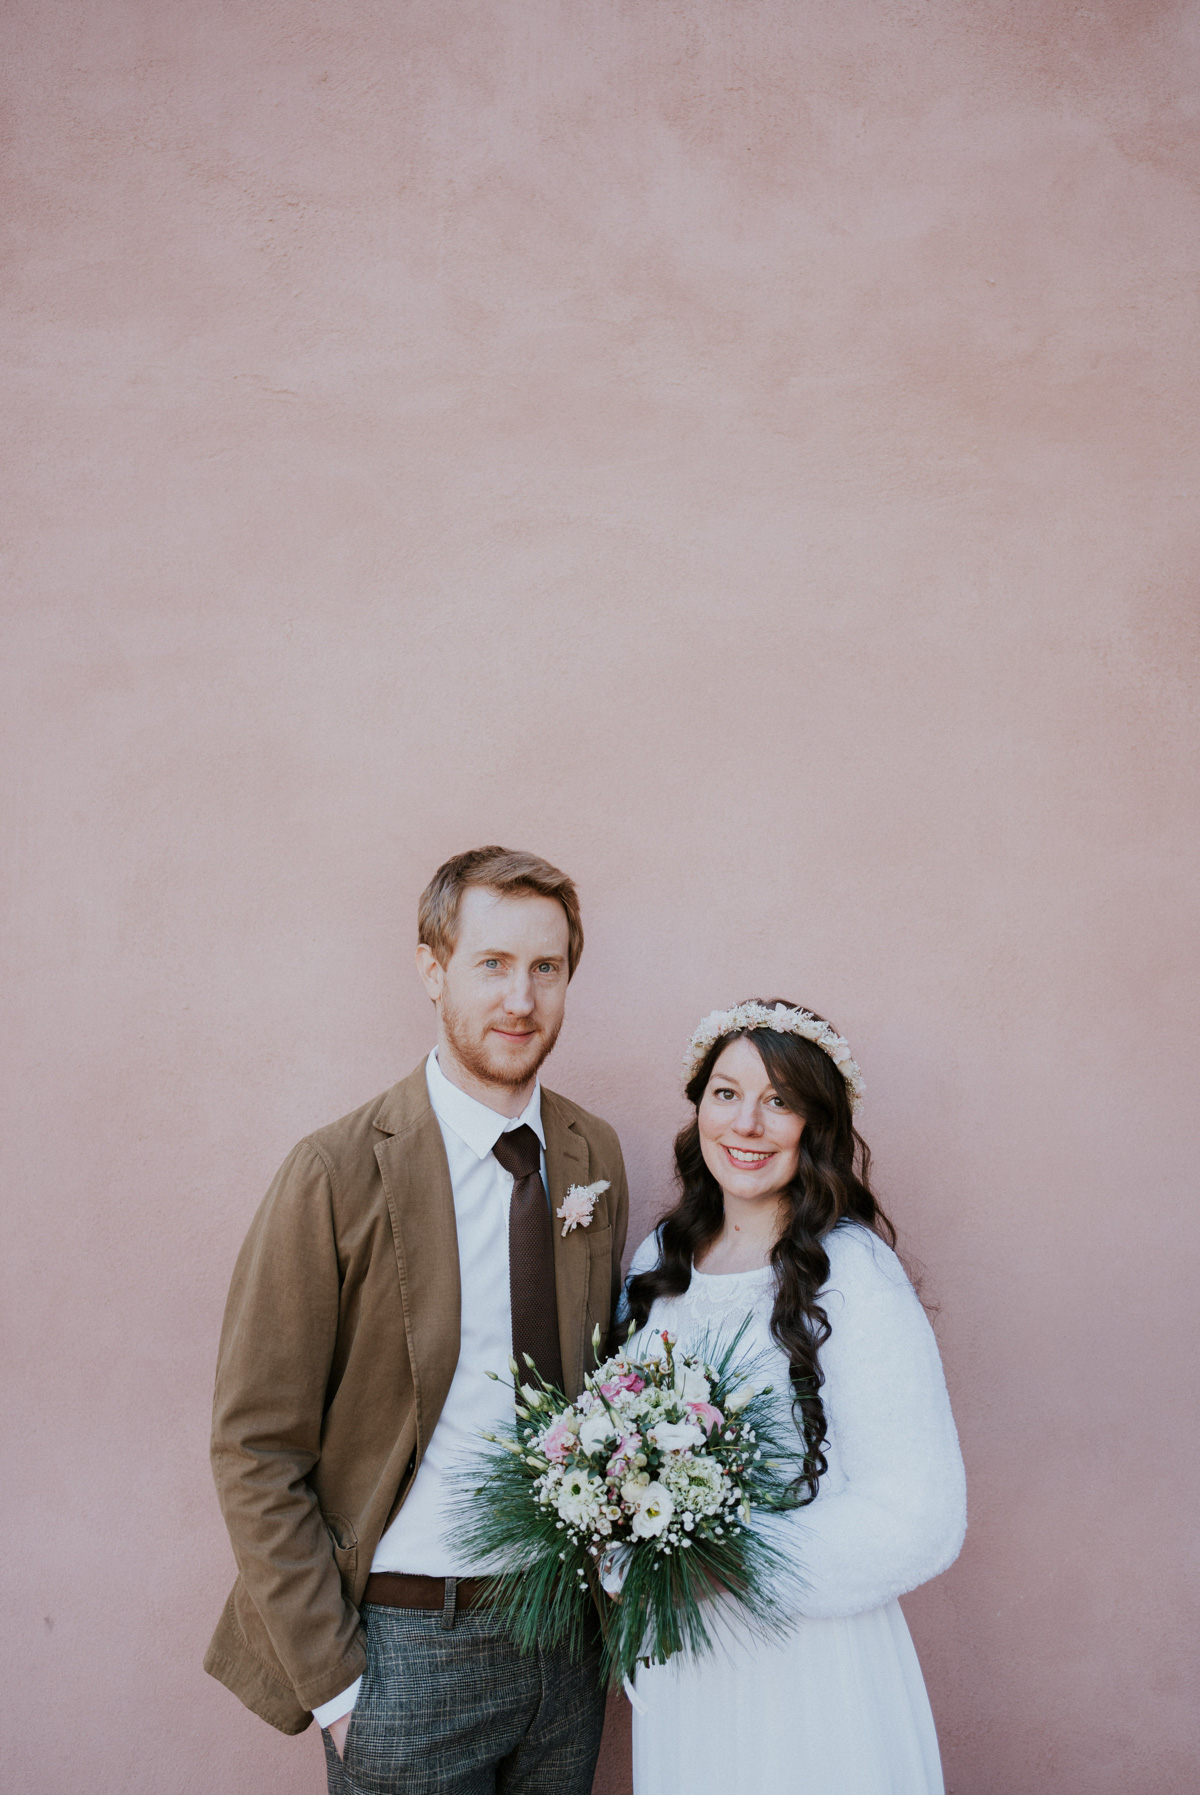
pixel 837 1707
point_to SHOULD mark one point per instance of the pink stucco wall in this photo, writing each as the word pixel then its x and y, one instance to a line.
pixel 747 452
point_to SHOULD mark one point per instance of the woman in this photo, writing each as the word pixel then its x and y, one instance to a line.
pixel 776 1222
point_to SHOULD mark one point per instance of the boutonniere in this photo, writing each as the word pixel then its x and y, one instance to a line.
pixel 578 1205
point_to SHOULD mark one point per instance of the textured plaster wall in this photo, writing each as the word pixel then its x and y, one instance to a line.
pixel 744 449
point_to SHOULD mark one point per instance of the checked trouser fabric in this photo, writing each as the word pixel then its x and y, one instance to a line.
pixel 460 1712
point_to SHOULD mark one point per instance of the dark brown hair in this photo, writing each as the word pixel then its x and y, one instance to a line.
pixel 831 1184
pixel 497 869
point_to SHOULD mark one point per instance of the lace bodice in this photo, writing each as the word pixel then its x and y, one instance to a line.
pixel 720 1301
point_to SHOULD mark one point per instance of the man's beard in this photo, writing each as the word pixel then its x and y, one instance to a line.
pixel 474 1054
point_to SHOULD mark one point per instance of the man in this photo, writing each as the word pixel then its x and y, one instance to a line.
pixel 400 1256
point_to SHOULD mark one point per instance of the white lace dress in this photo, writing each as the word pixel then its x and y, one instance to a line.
pixel 838 1707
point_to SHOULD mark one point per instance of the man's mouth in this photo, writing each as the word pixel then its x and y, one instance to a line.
pixel 515 1034
pixel 746 1159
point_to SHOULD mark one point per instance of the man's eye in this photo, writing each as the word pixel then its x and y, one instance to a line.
pixel 546 966
pixel 490 963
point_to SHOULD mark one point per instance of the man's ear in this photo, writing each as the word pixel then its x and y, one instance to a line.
pixel 431 970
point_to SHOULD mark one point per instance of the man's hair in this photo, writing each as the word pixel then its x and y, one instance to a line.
pixel 496 869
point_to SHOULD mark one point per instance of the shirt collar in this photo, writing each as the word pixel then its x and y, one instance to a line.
pixel 477 1126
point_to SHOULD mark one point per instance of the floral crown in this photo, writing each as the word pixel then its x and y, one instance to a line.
pixel 746 1016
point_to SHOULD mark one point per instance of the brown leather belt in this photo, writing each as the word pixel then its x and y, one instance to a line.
pixel 440 1595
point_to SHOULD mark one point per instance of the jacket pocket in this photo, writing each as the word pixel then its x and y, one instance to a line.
pixel 345 1546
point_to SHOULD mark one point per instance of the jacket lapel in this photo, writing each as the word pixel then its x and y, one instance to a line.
pixel 420 1200
pixel 567 1163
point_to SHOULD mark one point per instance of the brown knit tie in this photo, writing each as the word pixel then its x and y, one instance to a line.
pixel 530 1257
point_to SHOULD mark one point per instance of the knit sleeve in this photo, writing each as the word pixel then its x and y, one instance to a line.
pixel 895 1514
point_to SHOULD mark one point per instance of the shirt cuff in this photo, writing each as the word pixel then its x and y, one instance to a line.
pixel 341 1704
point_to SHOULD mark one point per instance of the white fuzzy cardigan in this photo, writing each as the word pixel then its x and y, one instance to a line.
pixel 891 1510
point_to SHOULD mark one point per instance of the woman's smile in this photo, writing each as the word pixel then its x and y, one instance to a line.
pixel 747 1157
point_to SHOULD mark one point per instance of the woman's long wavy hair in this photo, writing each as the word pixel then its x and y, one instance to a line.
pixel 831 1184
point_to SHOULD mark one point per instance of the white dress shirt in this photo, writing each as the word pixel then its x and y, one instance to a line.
pixel 417 1540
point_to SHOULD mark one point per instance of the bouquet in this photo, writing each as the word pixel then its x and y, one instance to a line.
pixel 634 1502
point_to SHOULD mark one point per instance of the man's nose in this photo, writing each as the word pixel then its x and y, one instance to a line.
pixel 518 995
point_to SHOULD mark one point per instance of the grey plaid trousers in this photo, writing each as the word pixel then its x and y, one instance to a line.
pixel 458 1711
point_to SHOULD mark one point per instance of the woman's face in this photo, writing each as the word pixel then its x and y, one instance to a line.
pixel 750 1139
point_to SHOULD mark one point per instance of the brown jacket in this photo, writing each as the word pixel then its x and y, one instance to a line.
pixel 339 1344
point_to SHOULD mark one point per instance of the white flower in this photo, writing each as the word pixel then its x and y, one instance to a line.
pixel 596 1431
pixel 698 1484
pixel 676 1436
pixel 740 1399
pixel 654 1511
pixel 692 1385
pixel 578 1498
pixel 578 1204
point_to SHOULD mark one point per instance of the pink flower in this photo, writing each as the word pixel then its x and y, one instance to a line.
pixel 629 1380
pixel 578 1204
pixel 558 1442
pixel 707 1415
pixel 622 1458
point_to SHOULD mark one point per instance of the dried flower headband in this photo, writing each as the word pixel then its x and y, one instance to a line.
pixel 747 1016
